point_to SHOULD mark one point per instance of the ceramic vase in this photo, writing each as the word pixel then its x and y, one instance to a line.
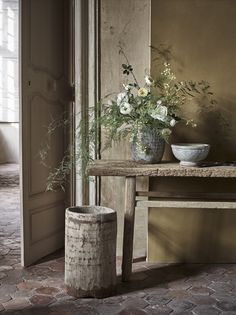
pixel 147 147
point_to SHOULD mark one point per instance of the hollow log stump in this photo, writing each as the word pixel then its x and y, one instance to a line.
pixel 90 251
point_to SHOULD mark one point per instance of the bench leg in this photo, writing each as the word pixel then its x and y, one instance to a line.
pixel 128 235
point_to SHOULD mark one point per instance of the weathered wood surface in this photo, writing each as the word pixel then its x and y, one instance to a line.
pixel 164 169
pixel 143 195
pixel 187 204
pixel 130 190
pixel 90 251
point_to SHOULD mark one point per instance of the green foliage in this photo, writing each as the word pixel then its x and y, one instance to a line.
pixel 127 69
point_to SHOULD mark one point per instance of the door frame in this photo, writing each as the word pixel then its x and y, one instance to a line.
pixel 87 84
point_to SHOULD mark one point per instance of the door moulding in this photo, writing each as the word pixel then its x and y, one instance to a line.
pixel 87 83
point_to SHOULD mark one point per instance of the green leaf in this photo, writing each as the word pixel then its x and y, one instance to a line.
pixel 126 72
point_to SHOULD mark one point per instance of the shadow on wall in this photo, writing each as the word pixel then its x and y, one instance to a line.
pixel 214 126
pixel 9 143
pixel 207 247
pixel 192 235
pixel 213 115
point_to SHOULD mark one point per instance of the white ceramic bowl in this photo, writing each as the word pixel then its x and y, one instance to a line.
pixel 190 154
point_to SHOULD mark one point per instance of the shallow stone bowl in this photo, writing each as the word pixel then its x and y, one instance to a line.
pixel 190 154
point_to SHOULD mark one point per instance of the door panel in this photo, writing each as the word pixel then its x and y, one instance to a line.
pixel 42 110
pixel 52 219
pixel 44 95
pixel 46 21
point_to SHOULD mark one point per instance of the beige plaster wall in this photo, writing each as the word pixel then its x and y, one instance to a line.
pixel 9 143
pixel 127 24
pixel 201 35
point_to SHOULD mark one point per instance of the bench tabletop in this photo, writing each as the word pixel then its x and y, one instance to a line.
pixel 163 169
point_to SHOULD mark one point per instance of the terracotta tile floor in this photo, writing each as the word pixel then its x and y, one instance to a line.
pixel 154 289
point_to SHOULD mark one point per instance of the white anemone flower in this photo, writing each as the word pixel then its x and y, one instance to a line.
pixel 142 92
pixel 172 122
pixel 149 80
pixel 125 108
pixel 127 87
pixel 122 98
pixel 160 113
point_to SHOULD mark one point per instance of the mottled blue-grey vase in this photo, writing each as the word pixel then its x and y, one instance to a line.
pixel 147 147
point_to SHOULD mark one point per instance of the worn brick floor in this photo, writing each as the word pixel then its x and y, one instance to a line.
pixel 155 289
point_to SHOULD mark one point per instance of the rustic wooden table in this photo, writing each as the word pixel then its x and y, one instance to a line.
pixel 130 170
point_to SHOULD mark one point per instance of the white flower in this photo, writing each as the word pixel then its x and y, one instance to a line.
pixel 122 98
pixel 191 123
pixel 172 122
pixel 159 102
pixel 127 87
pixel 149 80
pixel 125 108
pixel 160 112
pixel 142 92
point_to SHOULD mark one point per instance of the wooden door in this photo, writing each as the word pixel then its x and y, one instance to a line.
pixel 44 30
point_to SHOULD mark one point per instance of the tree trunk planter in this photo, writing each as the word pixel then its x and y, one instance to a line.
pixel 90 251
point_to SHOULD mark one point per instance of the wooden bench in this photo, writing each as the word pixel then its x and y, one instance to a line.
pixel 131 170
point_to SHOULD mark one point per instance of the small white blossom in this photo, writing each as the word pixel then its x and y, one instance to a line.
pixel 142 92
pixel 122 98
pixel 160 113
pixel 159 102
pixel 172 122
pixel 125 108
pixel 127 87
pixel 149 80
pixel 191 123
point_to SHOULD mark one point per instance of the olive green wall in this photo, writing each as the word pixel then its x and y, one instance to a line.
pixel 201 35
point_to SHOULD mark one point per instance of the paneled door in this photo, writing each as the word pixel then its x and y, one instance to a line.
pixel 44 34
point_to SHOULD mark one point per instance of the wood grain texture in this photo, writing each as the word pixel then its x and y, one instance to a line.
pixel 144 195
pixel 90 251
pixel 164 169
pixel 187 204
pixel 130 191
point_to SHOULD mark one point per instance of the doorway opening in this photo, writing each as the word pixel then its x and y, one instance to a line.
pixel 9 131
pixel 46 91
